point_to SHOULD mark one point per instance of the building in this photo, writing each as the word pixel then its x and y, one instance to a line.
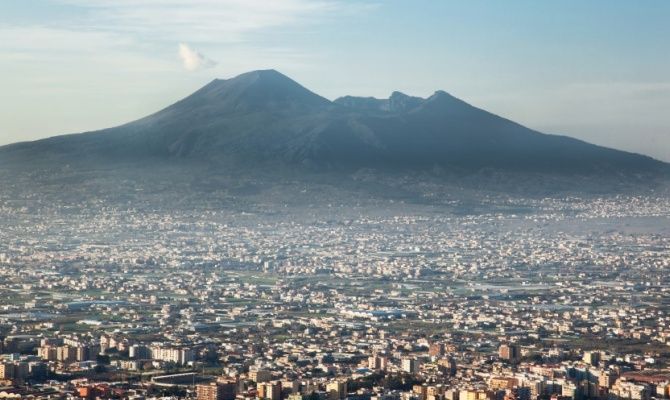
pixel 625 390
pixel 591 358
pixel 180 356
pixel 337 390
pixel 66 354
pixel 410 365
pixel 139 352
pixel 289 387
pixel 447 365
pixel 93 391
pixel 378 363
pixel 6 371
pixel 452 395
pixel 606 379
pixel 82 353
pixel 215 391
pixel 663 390
pixel 15 371
pixel 260 375
pixel 268 390
pixel 420 391
pixel 47 353
pixel 517 393
pixel 510 352
pixel 497 383
pixel 476 395
pixel 436 350
pixel 435 392
pixel 227 388
pixel 38 370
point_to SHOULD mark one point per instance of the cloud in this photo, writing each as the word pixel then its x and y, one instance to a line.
pixel 193 59
pixel 122 29
pixel 205 21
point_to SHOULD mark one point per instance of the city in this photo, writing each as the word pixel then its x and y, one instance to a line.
pixel 565 300
pixel 334 200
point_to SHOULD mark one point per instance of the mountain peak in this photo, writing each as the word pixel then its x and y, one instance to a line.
pixel 266 73
pixel 254 91
pixel 256 74
pixel 262 76
pixel 400 102
pixel 441 94
pixel 440 101
pixel 398 94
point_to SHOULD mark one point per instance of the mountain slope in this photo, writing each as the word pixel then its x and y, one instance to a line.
pixel 263 119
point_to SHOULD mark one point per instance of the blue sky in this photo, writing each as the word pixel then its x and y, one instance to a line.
pixel 595 70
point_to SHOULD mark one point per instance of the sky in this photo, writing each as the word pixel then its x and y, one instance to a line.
pixel 596 70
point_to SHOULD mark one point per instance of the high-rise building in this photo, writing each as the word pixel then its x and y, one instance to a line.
pixel 269 390
pixel 410 365
pixel 38 370
pixel 21 371
pixel 66 354
pixel 436 350
pixel 82 353
pixel 591 358
pixel 510 352
pixel 337 390
pixel 219 390
pixel 227 388
pixel 448 365
pixel 181 356
pixel 420 391
pixel 47 353
pixel 606 378
pixel 139 352
pixel 6 370
pixel 104 344
pixel 16 371
pixel 207 392
pixel 260 375
pixel 378 363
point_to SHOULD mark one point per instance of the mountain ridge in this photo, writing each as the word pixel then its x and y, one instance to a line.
pixel 265 118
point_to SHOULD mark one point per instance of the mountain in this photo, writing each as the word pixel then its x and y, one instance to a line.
pixel 265 120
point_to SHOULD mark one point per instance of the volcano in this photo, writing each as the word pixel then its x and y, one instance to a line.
pixel 264 120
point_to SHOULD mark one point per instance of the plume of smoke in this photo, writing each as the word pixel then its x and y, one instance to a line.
pixel 193 59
